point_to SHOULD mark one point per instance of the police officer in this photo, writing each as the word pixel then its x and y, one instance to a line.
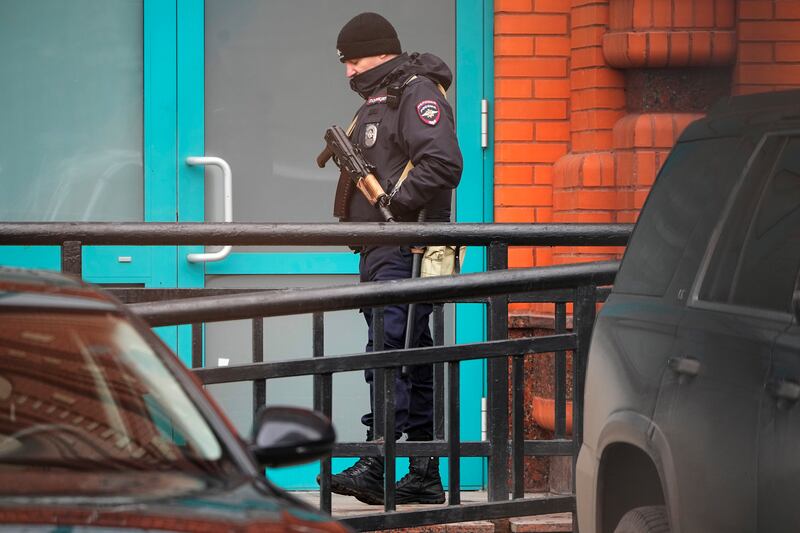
pixel 405 122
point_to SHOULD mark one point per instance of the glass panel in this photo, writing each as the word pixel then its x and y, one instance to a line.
pixel 274 83
pixel 71 141
pixel 288 337
pixel 719 278
pixel 756 264
pixel 84 392
pixel 691 185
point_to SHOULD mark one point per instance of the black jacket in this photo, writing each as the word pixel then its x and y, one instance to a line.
pixel 420 129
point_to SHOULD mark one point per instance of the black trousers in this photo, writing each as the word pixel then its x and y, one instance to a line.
pixel 414 390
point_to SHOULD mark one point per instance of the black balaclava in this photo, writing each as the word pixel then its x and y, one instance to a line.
pixel 367 82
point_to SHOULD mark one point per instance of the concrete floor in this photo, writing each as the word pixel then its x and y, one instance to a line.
pixel 344 506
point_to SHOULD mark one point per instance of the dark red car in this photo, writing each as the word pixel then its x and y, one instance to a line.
pixel 102 428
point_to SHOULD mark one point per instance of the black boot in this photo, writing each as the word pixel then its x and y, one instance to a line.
pixel 364 480
pixel 422 484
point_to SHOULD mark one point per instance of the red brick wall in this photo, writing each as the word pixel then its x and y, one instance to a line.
pixel 768 58
pixel 584 180
pixel 574 140
pixel 532 128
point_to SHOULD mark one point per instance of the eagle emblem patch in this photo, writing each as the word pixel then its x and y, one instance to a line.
pixel 428 112
pixel 370 135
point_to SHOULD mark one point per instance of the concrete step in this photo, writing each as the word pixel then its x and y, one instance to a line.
pixel 344 506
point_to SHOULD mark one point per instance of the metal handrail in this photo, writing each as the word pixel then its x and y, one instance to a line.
pixel 582 279
pixel 302 301
pixel 341 234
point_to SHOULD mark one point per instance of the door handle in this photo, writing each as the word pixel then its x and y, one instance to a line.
pixel 785 391
pixel 687 366
pixel 227 206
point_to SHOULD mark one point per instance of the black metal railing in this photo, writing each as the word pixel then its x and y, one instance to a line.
pixel 505 444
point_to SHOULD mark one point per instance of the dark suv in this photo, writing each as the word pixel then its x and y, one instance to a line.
pixel 692 416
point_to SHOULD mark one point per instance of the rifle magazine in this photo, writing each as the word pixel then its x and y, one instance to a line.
pixel 341 202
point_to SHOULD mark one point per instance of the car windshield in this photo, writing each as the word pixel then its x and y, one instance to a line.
pixel 83 395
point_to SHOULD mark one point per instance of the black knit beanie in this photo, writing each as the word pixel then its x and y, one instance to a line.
pixel 367 34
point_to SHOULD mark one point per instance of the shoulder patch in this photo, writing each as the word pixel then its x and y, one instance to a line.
pixel 429 112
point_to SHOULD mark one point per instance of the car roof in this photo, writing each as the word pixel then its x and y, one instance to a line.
pixel 752 114
pixel 758 102
pixel 27 288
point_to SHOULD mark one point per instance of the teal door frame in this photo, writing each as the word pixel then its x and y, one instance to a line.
pixel 474 202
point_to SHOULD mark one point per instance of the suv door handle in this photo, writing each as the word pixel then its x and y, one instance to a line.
pixel 687 366
pixel 784 390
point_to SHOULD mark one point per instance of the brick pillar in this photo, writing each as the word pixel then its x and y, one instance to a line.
pixel 531 108
pixel 676 57
pixel 532 94
pixel 583 181
pixel 769 46
pixel 642 142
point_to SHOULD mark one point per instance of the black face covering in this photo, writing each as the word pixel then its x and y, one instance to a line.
pixel 366 82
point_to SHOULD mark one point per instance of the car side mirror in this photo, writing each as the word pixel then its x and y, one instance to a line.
pixel 284 436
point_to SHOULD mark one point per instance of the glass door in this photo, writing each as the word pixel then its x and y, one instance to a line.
pixel 106 101
pixel 89 129
pixel 258 83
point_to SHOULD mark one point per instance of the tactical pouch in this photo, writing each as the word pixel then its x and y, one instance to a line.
pixel 442 260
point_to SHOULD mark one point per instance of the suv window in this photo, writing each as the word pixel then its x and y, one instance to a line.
pixel 694 182
pixel 757 257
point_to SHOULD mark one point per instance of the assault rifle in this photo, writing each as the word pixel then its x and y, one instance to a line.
pixel 356 170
